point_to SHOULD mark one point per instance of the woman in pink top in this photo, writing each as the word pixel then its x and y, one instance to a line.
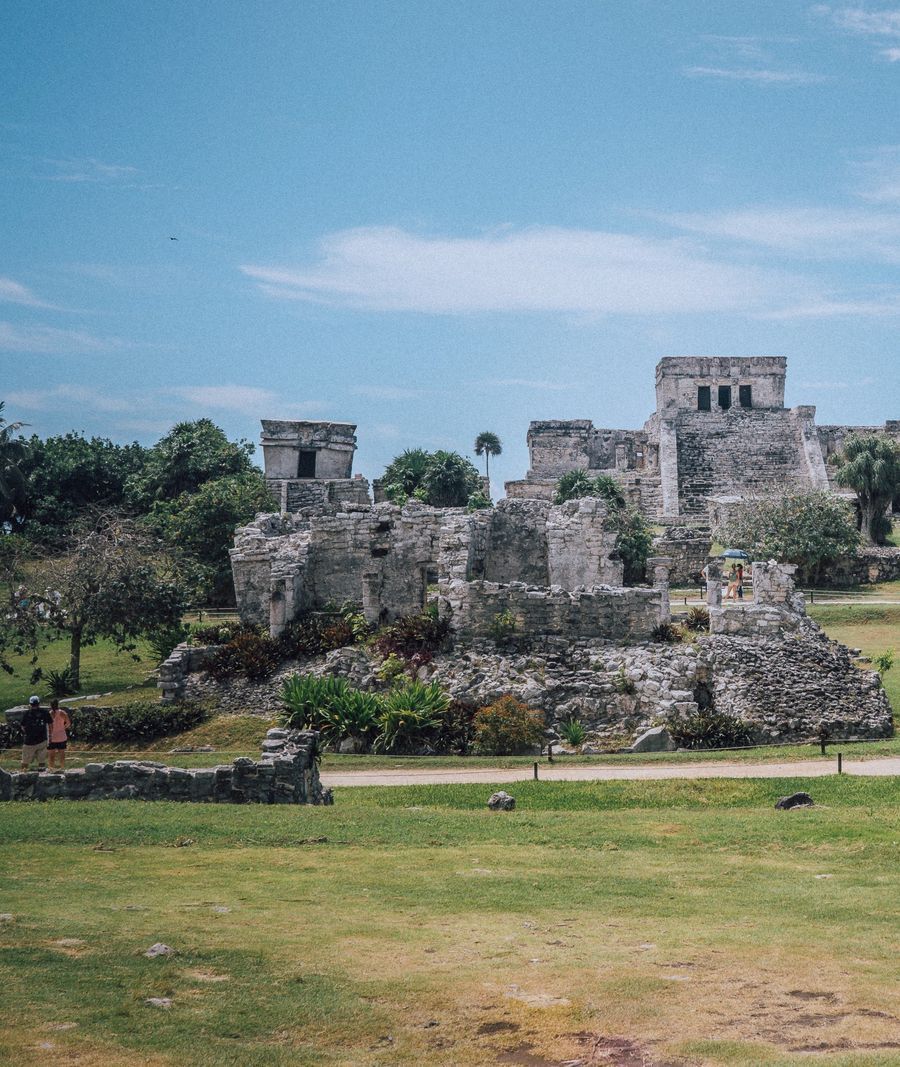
pixel 59 736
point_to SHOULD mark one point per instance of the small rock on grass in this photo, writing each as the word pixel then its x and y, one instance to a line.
pixel 159 949
pixel 159 1002
pixel 6 917
pixel 501 801
pixel 795 800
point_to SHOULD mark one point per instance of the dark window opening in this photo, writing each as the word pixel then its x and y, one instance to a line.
pixel 724 397
pixel 745 394
pixel 306 463
pixel 703 402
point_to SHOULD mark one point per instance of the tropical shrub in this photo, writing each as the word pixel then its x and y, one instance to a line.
pixel 885 661
pixel 247 655
pixel 622 683
pixel 508 727
pixel 456 729
pixel 314 634
pixel 572 731
pixel 697 620
pixel 412 634
pixel 709 728
pixel 307 699
pixel 441 479
pixel 59 683
pixel 667 633
pixel 133 723
pixel 503 626
pixel 165 639
pixel 218 633
pixel 409 713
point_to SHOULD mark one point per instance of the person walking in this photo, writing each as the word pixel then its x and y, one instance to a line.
pixel 60 724
pixel 731 592
pixel 740 581
pixel 34 725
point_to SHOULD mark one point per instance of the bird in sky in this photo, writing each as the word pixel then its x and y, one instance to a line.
pixel 173 238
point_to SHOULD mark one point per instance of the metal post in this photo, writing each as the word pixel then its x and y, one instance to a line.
pixel 535 772
pixel 840 762
pixel 549 751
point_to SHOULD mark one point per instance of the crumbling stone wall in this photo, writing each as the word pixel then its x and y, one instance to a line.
pixel 615 614
pixel 286 773
pixel 776 607
pixel 688 547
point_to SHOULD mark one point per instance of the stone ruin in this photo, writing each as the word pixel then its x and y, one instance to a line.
pixel 577 641
pixel 287 772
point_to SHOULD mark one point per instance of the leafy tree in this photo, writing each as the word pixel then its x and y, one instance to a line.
pixel 21 617
pixel 191 454
pixel 199 527
pixel 870 465
pixel 809 527
pixel 13 452
pixel 442 479
pixel 67 475
pixel 113 582
pixel 487 444
pixel 634 538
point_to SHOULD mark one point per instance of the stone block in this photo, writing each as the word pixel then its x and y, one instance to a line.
pixel 656 739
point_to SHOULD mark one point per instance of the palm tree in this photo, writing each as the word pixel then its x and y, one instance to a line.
pixel 487 444
pixel 12 481
pixel 870 465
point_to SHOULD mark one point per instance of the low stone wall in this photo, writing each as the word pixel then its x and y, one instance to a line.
pixel 183 661
pixel 688 547
pixel 625 614
pixel 866 567
pixel 286 773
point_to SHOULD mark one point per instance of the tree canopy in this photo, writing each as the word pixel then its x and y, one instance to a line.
pixel 442 479
pixel 869 464
pixel 487 444
pixel 810 527
pixel 13 452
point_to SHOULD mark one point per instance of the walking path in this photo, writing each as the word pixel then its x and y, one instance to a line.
pixel 888 765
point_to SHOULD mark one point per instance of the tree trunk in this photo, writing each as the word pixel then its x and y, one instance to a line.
pixel 75 658
pixel 870 514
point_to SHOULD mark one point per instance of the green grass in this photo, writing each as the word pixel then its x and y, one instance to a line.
pixel 103 668
pixel 413 926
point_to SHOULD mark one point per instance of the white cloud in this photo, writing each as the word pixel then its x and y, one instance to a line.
pixel 880 26
pixel 826 308
pixel 757 75
pixel 538 269
pixel 62 396
pixel 808 232
pixel 90 170
pixel 47 340
pixel 12 292
pixel 227 397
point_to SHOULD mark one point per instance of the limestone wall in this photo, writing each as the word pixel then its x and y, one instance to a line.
pixel 286 773
pixel 688 547
pixel 615 614
pixel 678 378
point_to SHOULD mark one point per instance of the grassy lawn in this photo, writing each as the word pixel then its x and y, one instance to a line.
pixel 684 923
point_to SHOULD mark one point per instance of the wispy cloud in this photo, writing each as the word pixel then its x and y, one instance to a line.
pixel 807 232
pixel 829 386
pixel 880 176
pixel 759 76
pixel 12 292
pixel 539 269
pixel 882 26
pixel 758 60
pixel 90 170
pixel 48 340
pixel 84 396
pixel 245 398
pixel 885 306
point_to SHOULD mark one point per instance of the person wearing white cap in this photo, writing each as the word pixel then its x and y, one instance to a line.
pixel 34 734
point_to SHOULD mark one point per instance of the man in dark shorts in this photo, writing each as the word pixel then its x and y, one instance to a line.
pixel 34 725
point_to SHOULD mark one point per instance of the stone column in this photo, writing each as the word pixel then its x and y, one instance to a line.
pixel 714 584
pixel 371 597
pixel 659 567
pixel 278 608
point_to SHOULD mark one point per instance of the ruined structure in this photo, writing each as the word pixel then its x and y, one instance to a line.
pixel 309 465
pixel 720 428
pixel 287 772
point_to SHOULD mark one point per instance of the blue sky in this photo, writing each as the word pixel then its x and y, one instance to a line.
pixel 436 218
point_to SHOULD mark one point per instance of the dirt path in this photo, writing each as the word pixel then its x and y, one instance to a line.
pixel 888 765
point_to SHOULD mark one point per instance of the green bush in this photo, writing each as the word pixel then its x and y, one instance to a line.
pixel 248 655
pixel 409 713
pixel 219 633
pixel 708 728
pixel 60 683
pixel 315 634
pixel 622 683
pixel 503 626
pixel 508 727
pixel 134 723
pixel 164 640
pixel 884 662
pixel 456 729
pixel 307 698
